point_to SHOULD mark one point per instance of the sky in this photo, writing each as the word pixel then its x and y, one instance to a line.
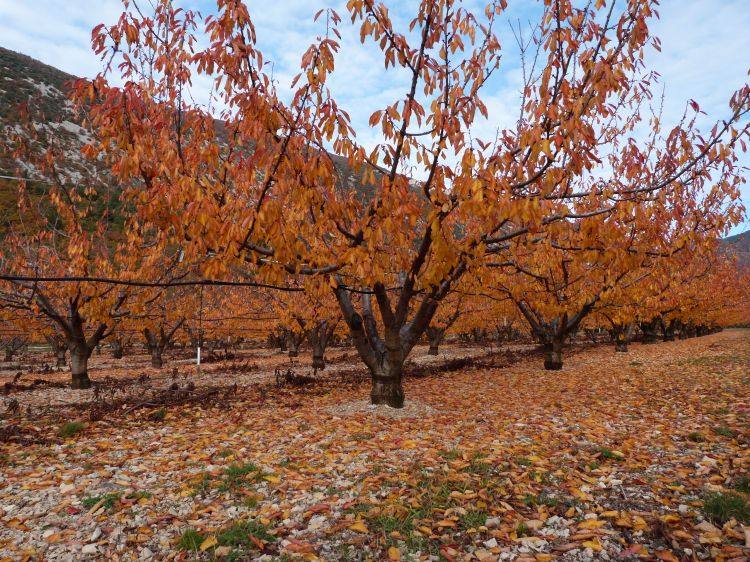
pixel 705 52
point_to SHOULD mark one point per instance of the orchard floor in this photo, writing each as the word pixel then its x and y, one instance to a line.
pixel 613 457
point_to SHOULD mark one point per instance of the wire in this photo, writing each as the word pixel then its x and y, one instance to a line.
pixel 110 281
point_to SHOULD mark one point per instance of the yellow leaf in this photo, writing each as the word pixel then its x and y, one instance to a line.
pixel 271 478
pixel 594 545
pixel 360 527
pixel 394 553
pixel 591 524
pixel 209 542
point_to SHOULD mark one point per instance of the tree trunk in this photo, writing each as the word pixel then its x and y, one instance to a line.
pixel 318 361
pixel 670 330
pixel 8 355
pixel 156 360
pixel 649 331
pixel 553 355
pixel 117 350
pixel 293 342
pixel 435 337
pixel 79 362
pixel 386 385
pixel 60 355
pixel 385 356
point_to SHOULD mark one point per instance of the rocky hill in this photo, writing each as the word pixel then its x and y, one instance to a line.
pixel 739 244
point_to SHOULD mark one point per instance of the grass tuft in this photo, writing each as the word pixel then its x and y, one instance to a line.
pixel 725 431
pixel 190 540
pixel 238 534
pixel 721 507
pixel 108 502
pixel 70 428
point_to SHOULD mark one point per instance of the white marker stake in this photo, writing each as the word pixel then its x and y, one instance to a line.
pixel 198 362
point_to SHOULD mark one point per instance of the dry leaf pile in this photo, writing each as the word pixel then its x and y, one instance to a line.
pixel 617 457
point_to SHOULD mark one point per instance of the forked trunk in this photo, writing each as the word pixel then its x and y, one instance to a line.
pixel 553 355
pixel 385 356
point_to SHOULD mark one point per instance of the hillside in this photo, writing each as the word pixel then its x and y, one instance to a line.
pixel 739 244
pixel 31 91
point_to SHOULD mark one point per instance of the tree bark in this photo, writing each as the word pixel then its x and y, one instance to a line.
pixel 293 342
pixel 649 330
pixel 156 359
pixel 117 349
pixel 385 355
pixel 670 329
pixel 386 385
pixel 60 355
pixel 8 355
pixel 553 355
pixel 435 337
pixel 318 335
pixel 79 362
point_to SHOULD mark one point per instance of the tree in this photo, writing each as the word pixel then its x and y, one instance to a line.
pixel 259 192
pixel 312 315
pixel 443 321
pixel 68 237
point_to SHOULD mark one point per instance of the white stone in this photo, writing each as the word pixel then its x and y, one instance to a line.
pixel 89 549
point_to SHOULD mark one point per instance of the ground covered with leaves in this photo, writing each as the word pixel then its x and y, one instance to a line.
pixel 643 455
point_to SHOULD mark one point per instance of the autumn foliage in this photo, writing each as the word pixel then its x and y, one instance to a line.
pixel 586 211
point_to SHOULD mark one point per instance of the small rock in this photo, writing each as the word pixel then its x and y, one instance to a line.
pixel 492 522
pixel 65 488
pixel 492 543
pixel 89 549
pixel 146 553
pixel 96 534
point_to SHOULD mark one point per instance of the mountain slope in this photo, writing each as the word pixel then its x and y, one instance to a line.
pixel 739 244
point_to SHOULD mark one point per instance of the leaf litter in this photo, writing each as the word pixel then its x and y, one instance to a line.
pixel 618 456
